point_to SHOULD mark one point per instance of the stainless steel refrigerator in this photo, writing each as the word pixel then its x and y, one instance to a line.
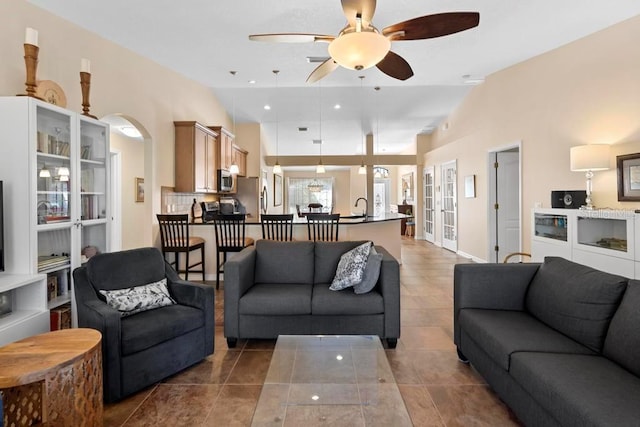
pixel 250 195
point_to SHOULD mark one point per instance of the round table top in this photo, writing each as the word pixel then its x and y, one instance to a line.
pixel 31 359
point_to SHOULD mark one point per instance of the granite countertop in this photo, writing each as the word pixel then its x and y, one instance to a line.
pixel 347 219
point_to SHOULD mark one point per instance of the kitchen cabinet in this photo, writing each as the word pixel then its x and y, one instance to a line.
pixel 224 144
pixel 195 158
pixel 240 158
pixel 55 168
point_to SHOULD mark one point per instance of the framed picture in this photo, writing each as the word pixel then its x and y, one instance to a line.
pixel 470 186
pixel 628 167
pixel 277 190
pixel 139 190
pixel 407 187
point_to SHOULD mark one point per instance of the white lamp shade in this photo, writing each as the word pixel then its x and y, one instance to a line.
pixel 320 168
pixel 593 157
pixel 359 50
pixel 277 168
pixel 234 169
pixel 362 170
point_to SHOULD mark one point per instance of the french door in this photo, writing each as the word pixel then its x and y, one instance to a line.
pixel 449 207
pixel 429 205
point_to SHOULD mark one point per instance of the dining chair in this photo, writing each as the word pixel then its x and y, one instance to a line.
pixel 323 227
pixel 174 238
pixel 277 227
pixel 230 237
pixel 315 207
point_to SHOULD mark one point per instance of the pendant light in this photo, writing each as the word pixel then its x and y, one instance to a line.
pixel 320 167
pixel 44 172
pixel 362 170
pixel 234 169
pixel 277 168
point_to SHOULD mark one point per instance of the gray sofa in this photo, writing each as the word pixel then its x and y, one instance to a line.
pixel 282 288
pixel 143 348
pixel 559 342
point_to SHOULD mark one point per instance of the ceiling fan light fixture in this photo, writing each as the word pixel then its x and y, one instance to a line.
pixel 359 50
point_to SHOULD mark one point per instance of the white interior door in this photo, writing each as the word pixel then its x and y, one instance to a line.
pixel 449 208
pixel 429 205
pixel 505 216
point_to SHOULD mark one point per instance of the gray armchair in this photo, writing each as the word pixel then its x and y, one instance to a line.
pixel 142 349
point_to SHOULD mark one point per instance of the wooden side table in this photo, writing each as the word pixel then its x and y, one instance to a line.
pixel 53 378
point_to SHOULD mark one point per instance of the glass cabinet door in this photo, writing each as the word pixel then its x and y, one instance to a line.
pixel 93 171
pixel 54 169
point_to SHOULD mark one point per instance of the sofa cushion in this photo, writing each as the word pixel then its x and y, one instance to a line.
pixel 327 302
pixel 139 298
pixel 149 328
pixel 623 339
pixel 579 390
pixel 125 269
pixel 351 266
pixel 276 299
pixel 574 299
pixel 371 273
pixel 327 256
pixel 284 262
pixel 501 333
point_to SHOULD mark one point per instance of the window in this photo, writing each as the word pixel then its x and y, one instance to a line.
pixel 299 193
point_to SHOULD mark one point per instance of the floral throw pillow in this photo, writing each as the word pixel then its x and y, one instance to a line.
pixel 130 301
pixel 351 267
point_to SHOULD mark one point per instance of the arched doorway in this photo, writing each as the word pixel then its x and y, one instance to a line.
pixel 130 146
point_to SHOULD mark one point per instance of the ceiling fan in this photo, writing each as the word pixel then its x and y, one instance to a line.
pixel 360 45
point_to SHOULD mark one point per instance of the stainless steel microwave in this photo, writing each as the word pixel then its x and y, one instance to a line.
pixel 225 181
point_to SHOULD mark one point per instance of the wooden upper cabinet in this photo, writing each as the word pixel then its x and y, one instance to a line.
pixel 195 158
pixel 239 157
pixel 225 146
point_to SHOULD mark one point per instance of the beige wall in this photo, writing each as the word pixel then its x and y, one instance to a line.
pixel 122 82
pixel 582 93
pixel 132 214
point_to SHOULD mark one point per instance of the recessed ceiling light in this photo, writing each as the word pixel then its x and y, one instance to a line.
pixel 252 82
pixel 130 131
pixel 317 141
pixel 267 107
pixel 337 106
pixel 468 79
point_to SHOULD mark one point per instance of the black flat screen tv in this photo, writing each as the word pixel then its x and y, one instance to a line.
pixel 1 229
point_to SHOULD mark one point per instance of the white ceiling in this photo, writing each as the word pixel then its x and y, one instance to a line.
pixel 205 39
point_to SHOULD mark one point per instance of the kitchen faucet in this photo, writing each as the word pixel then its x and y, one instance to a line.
pixel 366 205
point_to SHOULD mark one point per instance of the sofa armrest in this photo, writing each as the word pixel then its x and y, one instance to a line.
pixel 490 286
pixel 239 273
pixel 94 313
pixel 389 286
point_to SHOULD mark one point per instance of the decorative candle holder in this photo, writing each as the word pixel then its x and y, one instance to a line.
pixel 31 63
pixel 85 85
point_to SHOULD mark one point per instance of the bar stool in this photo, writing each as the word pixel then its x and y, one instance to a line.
pixel 230 237
pixel 410 229
pixel 277 227
pixel 174 237
pixel 323 227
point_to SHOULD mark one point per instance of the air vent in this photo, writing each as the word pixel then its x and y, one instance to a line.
pixel 302 129
pixel 316 59
pixel 317 141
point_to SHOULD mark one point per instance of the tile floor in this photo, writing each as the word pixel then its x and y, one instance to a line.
pixel 223 389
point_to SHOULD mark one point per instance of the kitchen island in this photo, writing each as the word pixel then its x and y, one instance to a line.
pixel 383 230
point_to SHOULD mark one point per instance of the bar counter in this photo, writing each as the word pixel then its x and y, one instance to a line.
pixel 383 230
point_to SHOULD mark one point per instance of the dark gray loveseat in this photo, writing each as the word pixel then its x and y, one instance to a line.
pixel 143 348
pixel 559 342
pixel 282 288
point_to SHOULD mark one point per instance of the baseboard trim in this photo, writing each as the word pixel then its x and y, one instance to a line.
pixel 471 257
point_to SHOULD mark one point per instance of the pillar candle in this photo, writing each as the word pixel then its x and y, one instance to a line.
pixel 85 65
pixel 31 36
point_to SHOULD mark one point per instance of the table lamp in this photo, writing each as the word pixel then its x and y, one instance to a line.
pixel 589 158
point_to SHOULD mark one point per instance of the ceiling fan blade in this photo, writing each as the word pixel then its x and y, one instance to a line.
pixel 366 8
pixel 322 70
pixel 430 26
pixel 291 38
pixel 393 65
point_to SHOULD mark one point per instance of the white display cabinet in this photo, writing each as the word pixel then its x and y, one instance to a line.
pixel 55 167
pixel 27 313
pixel 552 230
pixel 602 239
